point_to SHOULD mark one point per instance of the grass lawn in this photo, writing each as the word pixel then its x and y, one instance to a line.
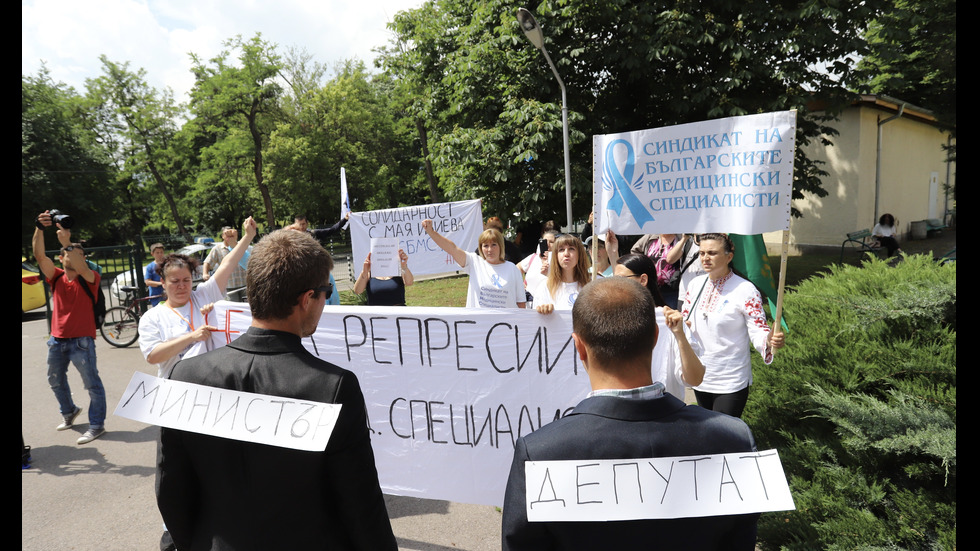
pixel 445 291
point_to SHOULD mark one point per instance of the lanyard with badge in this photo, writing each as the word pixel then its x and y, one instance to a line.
pixel 191 314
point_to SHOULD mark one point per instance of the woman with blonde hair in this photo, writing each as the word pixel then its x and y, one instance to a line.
pixel 494 282
pixel 569 272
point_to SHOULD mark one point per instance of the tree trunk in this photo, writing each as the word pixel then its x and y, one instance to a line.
pixel 257 167
pixel 166 195
pixel 429 176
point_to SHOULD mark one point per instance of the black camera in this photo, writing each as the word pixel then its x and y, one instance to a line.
pixel 57 217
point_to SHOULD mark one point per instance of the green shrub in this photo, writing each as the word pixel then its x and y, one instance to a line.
pixel 861 405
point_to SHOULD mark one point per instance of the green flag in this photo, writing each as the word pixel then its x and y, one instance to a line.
pixel 752 261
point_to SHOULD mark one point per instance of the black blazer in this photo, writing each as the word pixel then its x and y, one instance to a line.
pixel 604 427
pixel 218 493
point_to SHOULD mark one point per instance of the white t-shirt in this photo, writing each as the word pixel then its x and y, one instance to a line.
pixel 161 323
pixel 564 297
pixel 492 285
pixel 531 265
pixel 883 231
pixel 666 361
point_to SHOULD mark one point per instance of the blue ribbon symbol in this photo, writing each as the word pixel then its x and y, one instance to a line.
pixel 620 184
pixel 495 279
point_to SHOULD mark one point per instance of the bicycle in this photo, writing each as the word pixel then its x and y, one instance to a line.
pixel 121 325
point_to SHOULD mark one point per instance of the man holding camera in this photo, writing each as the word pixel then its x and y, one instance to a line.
pixel 72 326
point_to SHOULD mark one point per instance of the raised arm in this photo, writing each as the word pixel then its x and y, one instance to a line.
pixel 459 255
pixel 228 265
pixel 677 251
pixel 323 233
pixel 612 247
pixel 692 370
pixel 407 277
pixel 45 264
pixel 362 278
pixel 75 256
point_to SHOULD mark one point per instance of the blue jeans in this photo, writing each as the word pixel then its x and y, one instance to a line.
pixel 81 352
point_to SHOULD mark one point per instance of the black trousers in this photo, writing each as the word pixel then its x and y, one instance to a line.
pixel 889 243
pixel 730 404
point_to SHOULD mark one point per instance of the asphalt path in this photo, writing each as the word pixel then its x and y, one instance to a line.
pixel 99 496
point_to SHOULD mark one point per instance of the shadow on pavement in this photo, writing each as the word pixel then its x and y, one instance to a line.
pixel 75 460
pixel 403 506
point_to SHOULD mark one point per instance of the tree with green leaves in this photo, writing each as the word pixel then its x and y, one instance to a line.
pixel 410 103
pixel 238 104
pixel 493 106
pixel 913 55
pixel 63 165
pixel 345 123
pixel 138 123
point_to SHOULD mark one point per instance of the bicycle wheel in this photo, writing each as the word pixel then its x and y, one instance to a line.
pixel 121 327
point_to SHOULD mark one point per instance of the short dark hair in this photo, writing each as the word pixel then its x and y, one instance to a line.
pixel 617 318
pixel 284 265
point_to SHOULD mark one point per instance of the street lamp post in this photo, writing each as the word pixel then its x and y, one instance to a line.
pixel 533 33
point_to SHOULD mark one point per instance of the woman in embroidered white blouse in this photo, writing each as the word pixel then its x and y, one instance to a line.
pixel 724 312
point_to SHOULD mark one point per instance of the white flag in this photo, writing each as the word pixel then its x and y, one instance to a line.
pixel 344 197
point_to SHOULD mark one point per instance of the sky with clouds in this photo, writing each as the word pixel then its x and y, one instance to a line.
pixel 158 35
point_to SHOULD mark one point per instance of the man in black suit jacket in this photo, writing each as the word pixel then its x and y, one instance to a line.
pixel 626 416
pixel 219 493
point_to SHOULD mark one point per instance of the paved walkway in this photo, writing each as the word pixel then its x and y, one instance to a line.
pixel 100 496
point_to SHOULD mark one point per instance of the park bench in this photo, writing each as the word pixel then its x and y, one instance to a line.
pixel 935 225
pixel 861 239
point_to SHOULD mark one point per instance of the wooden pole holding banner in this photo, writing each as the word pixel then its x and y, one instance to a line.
pixel 777 316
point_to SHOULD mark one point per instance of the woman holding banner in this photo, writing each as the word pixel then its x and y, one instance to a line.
pixel 494 282
pixel 724 312
pixel 178 327
pixel 384 291
pixel 560 289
